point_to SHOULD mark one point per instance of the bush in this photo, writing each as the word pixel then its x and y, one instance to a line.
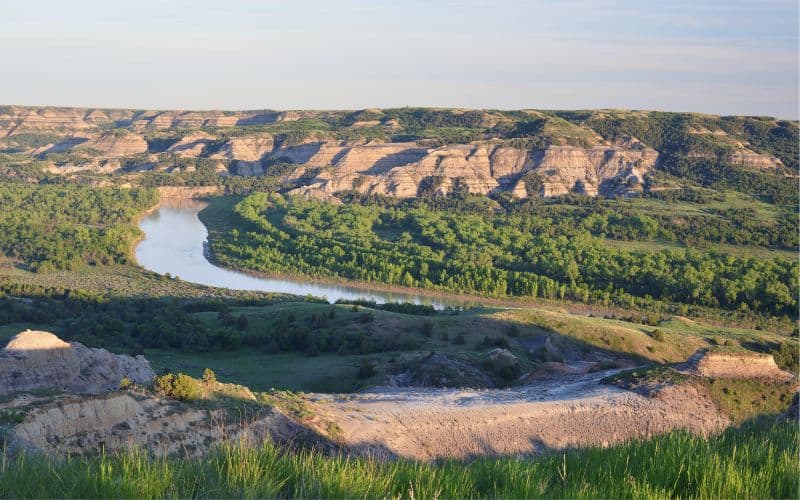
pixel 658 335
pixel 787 356
pixel 125 384
pixel 181 387
pixel 209 377
pixel 427 328
pixel 494 342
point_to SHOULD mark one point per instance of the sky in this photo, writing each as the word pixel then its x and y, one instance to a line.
pixel 721 57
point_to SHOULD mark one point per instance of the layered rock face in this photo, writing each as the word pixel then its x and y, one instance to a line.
pixel 752 159
pixel 707 363
pixel 324 166
pixel 115 422
pixel 599 170
pixel 192 145
pixel 246 153
pixel 249 148
pixel 34 360
pixel 21 119
pixel 402 170
pixel 117 144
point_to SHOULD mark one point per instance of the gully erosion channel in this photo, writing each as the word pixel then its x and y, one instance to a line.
pixel 175 242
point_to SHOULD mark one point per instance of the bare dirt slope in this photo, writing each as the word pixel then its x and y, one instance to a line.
pixel 573 411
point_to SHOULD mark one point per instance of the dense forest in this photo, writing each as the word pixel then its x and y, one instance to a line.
pixel 68 226
pixel 498 254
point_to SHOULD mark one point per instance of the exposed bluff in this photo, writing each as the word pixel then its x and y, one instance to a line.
pixel 34 360
pixel 69 424
pixel 404 169
pixel 93 416
pixel 403 152
pixel 732 364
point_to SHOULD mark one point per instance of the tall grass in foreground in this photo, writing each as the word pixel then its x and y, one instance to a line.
pixel 758 460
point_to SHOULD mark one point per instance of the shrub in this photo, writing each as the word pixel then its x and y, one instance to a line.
pixel 495 342
pixel 658 335
pixel 787 356
pixel 427 328
pixel 209 377
pixel 459 339
pixel 181 387
pixel 125 384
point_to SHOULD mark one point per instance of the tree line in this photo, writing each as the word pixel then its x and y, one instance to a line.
pixel 495 254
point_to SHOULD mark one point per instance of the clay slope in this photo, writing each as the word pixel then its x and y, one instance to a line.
pixel 35 360
pixel 730 364
pixel 404 169
pixel 124 420
pixel 526 153
pixel 574 411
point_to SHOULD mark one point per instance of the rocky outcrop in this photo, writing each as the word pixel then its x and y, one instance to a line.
pixel 403 170
pixel 116 144
pixel 724 364
pixel 50 120
pixel 24 119
pixel 749 158
pixel 69 425
pixel 527 153
pixel 245 153
pixel 248 148
pixel 35 360
pixel 327 166
pixel 191 145
pixel 600 170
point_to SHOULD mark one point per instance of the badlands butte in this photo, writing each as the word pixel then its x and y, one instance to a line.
pixel 397 152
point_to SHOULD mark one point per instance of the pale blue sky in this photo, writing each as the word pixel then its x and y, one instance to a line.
pixel 727 57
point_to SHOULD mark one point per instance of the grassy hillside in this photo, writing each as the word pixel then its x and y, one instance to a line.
pixel 264 342
pixel 756 461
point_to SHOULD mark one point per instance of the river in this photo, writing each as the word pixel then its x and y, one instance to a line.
pixel 175 241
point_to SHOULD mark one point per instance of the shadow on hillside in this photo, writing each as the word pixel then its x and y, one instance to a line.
pixel 301 328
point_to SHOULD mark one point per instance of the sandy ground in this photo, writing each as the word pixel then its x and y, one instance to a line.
pixel 574 411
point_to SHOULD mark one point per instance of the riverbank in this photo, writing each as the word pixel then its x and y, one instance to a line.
pixel 216 218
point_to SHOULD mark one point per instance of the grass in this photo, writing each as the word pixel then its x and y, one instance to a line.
pixel 260 371
pixel 460 336
pixel 758 460
pixel 745 398
pixel 740 399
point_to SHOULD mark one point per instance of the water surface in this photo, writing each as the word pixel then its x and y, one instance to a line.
pixel 175 243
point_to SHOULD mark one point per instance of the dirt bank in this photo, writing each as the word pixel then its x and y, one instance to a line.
pixel 574 411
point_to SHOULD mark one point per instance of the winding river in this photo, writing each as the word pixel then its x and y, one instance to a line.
pixel 175 241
